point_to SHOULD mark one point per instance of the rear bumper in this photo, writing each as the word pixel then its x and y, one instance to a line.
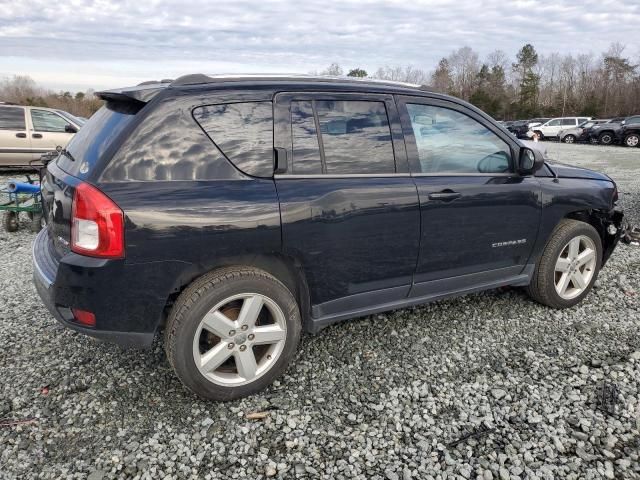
pixel 62 285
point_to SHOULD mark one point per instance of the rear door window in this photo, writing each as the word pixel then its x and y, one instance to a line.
pixel 12 118
pixel 338 137
pixel 356 137
pixel 243 132
pixel 569 122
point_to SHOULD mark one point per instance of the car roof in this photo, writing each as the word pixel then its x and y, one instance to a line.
pixel 144 91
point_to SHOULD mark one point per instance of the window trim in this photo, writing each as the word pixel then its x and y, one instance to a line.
pixel 24 119
pixel 33 125
pixel 412 146
pixel 283 136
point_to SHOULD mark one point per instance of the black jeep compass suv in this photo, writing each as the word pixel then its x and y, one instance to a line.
pixel 237 211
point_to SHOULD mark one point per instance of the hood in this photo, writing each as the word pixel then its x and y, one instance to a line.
pixel 569 171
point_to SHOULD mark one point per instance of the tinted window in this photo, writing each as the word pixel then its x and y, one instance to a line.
pixel 306 151
pixel 93 139
pixel 633 120
pixel 451 142
pixel 11 118
pixel 244 133
pixel 356 137
pixel 44 121
pixel 569 121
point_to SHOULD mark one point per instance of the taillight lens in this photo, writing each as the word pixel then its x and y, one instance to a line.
pixel 83 317
pixel 97 224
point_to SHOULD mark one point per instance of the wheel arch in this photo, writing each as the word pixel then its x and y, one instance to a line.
pixel 285 269
pixel 600 220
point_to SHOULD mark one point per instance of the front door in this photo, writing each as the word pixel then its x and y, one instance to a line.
pixel 15 144
pixel 49 130
pixel 479 218
pixel 349 208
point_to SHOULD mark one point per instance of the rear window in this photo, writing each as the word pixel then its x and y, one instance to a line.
pixel 95 137
pixel 243 132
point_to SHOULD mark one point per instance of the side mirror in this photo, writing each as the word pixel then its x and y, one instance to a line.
pixel 530 161
pixel 70 128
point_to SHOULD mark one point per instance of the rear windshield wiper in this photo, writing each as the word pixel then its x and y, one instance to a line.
pixel 66 153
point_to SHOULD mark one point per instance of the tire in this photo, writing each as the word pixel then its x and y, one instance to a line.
pixel 37 222
pixel 569 139
pixel 605 138
pixel 632 140
pixel 227 292
pixel 539 133
pixel 10 221
pixel 543 287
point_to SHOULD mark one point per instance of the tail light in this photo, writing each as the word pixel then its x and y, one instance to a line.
pixel 97 224
pixel 83 317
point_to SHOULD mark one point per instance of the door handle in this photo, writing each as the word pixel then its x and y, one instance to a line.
pixel 445 195
pixel 37 135
pixel 21 135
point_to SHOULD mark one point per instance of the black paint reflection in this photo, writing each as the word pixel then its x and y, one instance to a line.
pixel 244 133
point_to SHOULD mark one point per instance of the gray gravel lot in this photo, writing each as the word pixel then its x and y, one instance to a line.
pixel 484 386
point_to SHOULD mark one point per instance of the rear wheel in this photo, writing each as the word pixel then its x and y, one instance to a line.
pixel 632 140
pixel 569 265
pixel 569 139
pixel 10 221
pixel 232 332
pixel 605 138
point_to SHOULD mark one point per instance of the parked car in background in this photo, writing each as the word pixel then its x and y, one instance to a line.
pixel 579 133
pixel 28 132
pixel 629 134
pixel 73 118
pixel 610 132
pixel 534 122
pixel 236 212
pixel 519 128
pixel 551 128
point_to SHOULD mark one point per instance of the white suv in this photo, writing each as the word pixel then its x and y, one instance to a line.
pixel 28 132
pixel 552 128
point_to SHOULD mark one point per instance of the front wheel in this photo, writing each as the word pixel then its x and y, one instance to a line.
pixel 232 332
pixel 632 140
pixel 569 265
pixel 606 138
pixel 569 139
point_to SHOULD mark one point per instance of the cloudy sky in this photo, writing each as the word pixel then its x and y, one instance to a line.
pixel 76 44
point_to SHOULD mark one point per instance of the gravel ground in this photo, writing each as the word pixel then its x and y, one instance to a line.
pixel 484 386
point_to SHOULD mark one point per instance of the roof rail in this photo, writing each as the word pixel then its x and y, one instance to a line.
pixel 200 78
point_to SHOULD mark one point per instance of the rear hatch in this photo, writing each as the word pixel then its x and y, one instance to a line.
pixel 97 140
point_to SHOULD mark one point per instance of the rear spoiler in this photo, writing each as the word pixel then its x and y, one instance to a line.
pixel 139 94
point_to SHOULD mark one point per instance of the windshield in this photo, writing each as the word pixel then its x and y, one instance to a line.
pixel 586 124
pixel 94 138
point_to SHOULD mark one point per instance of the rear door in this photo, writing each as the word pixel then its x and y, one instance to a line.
pixel 479 218
pixel 48 130
pixel 15 143
pixel 349 207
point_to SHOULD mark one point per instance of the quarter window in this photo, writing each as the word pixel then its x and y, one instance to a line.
pixel 451 142
pixel 243 132
pixel 12 118
pixel 44 121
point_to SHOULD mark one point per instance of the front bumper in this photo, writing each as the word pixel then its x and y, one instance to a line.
pixel 55 297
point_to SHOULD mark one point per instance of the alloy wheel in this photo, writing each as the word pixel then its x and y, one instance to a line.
pixel 239 339
pixel 569 139
pixel 632 141
pixel 575 267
